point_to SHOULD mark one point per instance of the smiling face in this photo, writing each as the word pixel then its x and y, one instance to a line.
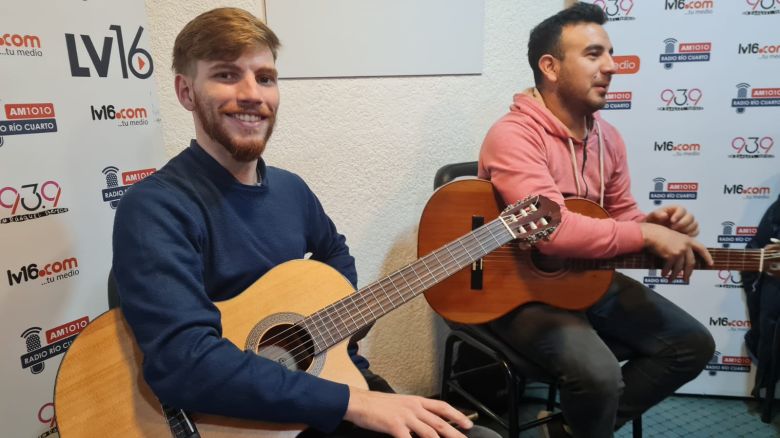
pixel 586 68
pixel 234 102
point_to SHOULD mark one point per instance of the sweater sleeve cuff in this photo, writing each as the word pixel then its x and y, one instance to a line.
pixel 333 399
pixel 630 236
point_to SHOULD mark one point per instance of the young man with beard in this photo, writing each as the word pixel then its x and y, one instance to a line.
pixel 215 219
pixel 553 142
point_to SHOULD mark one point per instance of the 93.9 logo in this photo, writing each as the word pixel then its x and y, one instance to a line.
pixel 729 279
pixel 30 201
pixel 763 5
pixel 681 99
pixel 616 10
pixel 752 147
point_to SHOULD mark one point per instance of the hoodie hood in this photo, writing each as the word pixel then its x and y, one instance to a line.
pixel 529 151
pixel 530 103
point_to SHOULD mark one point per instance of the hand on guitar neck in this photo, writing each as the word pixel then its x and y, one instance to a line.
pixel 399 415
pixel 669 233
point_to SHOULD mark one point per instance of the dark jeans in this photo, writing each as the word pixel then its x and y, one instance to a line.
pixel 349 430
pixel 668 348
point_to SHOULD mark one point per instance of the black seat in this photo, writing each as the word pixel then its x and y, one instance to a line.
pixel 517 370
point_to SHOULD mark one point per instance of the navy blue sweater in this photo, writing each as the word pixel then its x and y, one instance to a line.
pixel 189 235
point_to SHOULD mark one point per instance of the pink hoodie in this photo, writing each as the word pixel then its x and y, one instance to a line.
pixel 529 151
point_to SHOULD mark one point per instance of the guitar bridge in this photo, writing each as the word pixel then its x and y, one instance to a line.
pixel 476 266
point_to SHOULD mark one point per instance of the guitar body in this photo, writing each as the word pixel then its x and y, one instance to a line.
pixel 100 390
pixel 510 276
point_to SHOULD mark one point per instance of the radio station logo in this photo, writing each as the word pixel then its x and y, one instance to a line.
pixel 747 192
pixel 684 52
pixel 752 147
pixel 135 60
pixel 27 118
pixel 123 116
pixel 626 65
pixel 679 191
pixel 13 44
pixel 57 341
pixel 734 364
pixel 47 417
pixel 690 6
pixel 654 278
pixel 733 233
pixel 618 100
pixel 678 149
pixel 30 201
pixel 114 191
pixel 731 324
pixel 762 7
pixel 756 97
pixel 765 51
pixel 48 272
pixel 681 99
pixel 617 10
pixel 729 280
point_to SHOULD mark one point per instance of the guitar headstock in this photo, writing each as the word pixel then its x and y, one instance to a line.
pixel 532 219
pixel 772 259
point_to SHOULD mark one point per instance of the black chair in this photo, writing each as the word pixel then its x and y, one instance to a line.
pixel 517 370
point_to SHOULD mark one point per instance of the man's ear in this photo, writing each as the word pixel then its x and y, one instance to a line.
pixel 550 67
pixel 185 91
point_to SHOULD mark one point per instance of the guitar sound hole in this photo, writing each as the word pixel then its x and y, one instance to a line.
pixel 289 345
pixel 545 263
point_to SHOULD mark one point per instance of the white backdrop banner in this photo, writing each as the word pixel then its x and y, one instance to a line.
pixel 79 123
pixel 697 100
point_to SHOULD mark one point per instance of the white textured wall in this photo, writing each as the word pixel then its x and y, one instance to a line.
pixel 369 148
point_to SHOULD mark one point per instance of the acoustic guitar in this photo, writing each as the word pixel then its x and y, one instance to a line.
pixel 300 314
pixel 513 275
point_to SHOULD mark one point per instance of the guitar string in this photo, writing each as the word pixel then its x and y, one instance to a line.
pixel 463 258
pixel 305 354
pixel 297 356
pixel 403 273
pixel 410 269
pixel 406 271
pixel 746 255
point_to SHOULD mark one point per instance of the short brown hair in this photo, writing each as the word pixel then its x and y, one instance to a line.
pixel 220 34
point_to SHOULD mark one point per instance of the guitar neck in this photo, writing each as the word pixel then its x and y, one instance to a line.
pixel 724 259
pixel 345 317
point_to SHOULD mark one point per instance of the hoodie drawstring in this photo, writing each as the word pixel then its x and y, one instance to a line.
pixel 601 164
pixel 574 166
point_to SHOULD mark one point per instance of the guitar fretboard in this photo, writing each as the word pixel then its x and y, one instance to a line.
pixel 180 423
pixel 345 317
pixel 724 259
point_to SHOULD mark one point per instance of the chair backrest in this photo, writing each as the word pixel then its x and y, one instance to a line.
pixel 449 172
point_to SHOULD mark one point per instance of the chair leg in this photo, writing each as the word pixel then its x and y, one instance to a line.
pixel 446 372
pixel 774 363
pixel 512 395
pixel 552 394
pixel 636 427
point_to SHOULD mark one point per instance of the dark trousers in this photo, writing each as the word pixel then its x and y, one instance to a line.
pixel 669 349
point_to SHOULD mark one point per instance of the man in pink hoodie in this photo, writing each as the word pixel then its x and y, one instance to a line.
pixel 552 142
